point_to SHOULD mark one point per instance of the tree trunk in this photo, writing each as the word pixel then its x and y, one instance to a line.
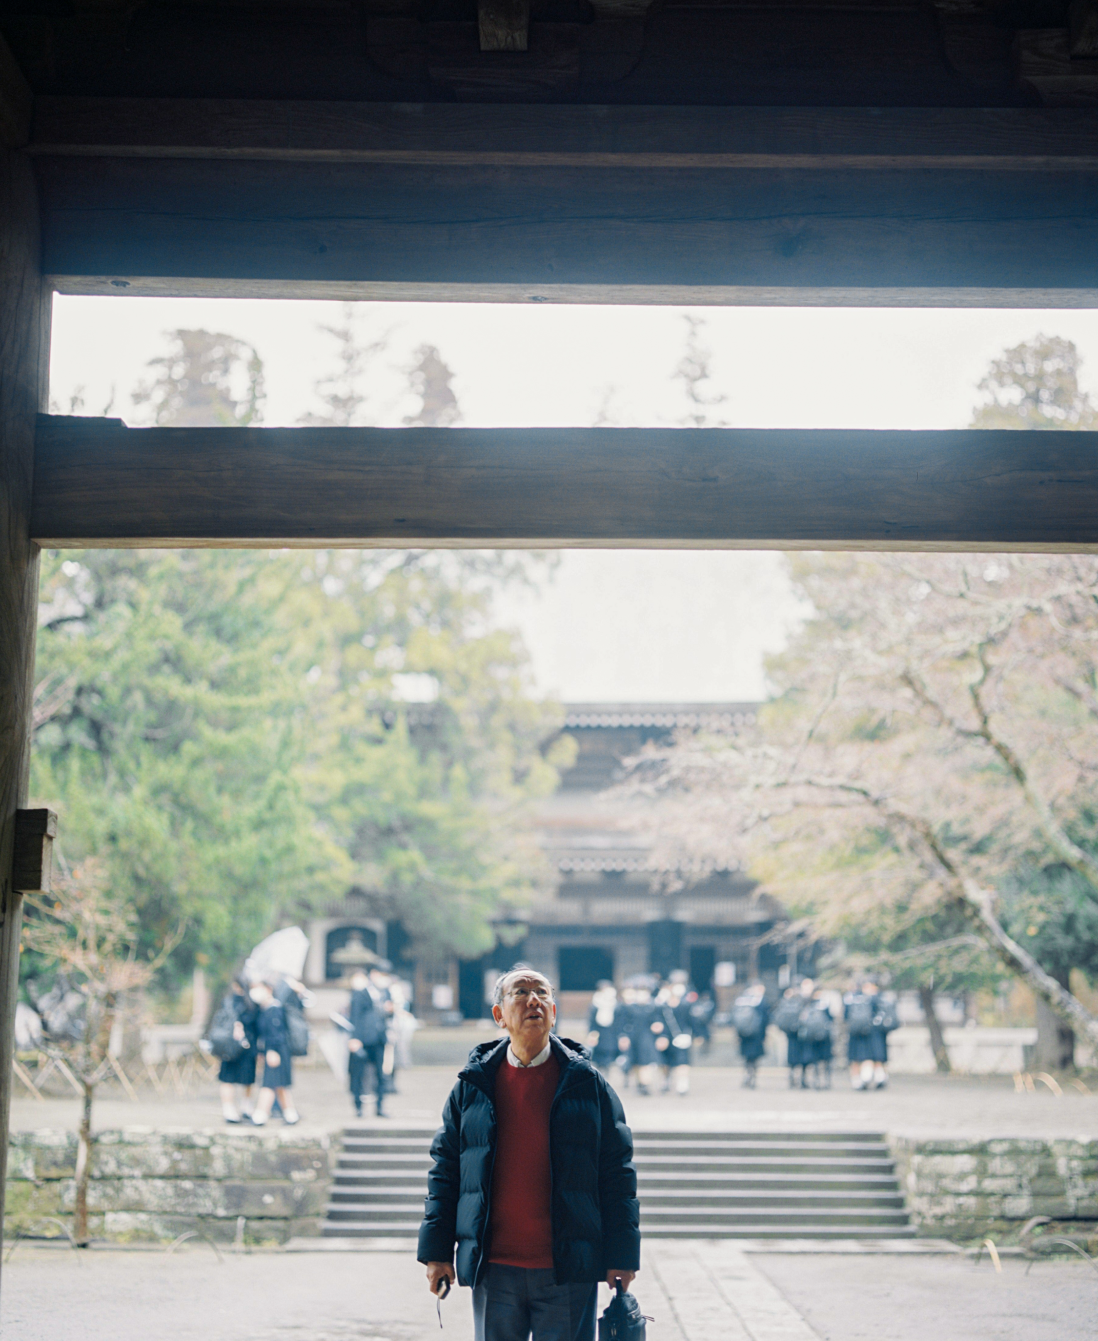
pixel 83 1169
pixel 1055 1041
pixel 975 904
pixel 934 1029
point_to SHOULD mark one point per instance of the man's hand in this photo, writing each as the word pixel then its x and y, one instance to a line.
pixel 439 1271
pixel 626 1277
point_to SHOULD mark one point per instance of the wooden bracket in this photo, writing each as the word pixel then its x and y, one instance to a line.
pixel 32 862
pixel 1083 29
pixel 504 24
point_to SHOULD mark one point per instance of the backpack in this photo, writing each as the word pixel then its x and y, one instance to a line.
pixel 815 1025
pixel 859 1017
pixel 297 1031
pixel 623 1320
pixel 787 1016
pixel 223 1044
pixel 746 1019
pixel 886 1017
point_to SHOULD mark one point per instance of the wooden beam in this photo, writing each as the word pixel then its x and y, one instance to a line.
pixel 99 483
pixel 32 862
pixel 670 232
pixel 427 135
pixel 503 25
pixel 24 317
pixel 16 101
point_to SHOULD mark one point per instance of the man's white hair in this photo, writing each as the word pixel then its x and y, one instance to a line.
pixel 517 971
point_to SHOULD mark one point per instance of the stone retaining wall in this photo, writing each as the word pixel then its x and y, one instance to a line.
pixel 966 1190
pixel 149 1185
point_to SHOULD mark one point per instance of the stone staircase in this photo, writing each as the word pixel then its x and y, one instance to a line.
pixel 691 1185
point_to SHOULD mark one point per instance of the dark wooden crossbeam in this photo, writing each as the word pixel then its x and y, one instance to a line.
pixel 98 483
pixel 570 203
pixel 516 135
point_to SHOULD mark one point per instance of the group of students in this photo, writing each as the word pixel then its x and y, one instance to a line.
pixel 806 1015
pixel 260 1028
pixel 260 1021
pixel 650 1029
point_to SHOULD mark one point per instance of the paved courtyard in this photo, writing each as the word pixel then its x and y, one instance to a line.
pixel 709 1291
pixel 917 1106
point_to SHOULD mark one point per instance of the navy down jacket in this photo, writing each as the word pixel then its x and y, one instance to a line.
pixel 595 1210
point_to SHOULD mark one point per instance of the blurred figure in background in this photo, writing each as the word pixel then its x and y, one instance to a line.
pixel 273 1042
pixel 885 1020
pixel 787 1017
pixel 858 1012
pixel 815 1041
pixel 602 1036
pixel 233 1039
pixel 369 1028
pixel 678 1057
pixel 750 1017
pixel 702 1010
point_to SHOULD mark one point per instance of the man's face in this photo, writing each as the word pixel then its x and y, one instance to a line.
pixel 528 1010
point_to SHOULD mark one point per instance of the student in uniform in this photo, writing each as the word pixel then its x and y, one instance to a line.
pixel 273 1042
pixel 885 1020
pixel 750 1017
pixel 858 1011
pixel 679 1055
pixel 787 1017
pixel 816 1043
pixel 237 1076
pixel 602 1039
pixel 366 1046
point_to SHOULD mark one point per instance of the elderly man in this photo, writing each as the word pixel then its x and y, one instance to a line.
pixel 533 1179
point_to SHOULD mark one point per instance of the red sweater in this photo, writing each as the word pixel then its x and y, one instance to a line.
pixel 522 1185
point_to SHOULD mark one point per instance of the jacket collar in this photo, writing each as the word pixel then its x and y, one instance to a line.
pixel 486 1059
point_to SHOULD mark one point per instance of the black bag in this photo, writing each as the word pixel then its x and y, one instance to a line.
pixel 297 1031
pixel 886 1017
pixel 815 1026
pixel 787 1016
pixel 859 1017
pixel 223 1042
pixel 623 1319
pixel 746 1019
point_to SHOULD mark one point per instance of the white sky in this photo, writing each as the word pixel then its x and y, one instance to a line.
pixel 670 625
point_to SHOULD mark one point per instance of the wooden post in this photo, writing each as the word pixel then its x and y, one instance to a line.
pixel 24 321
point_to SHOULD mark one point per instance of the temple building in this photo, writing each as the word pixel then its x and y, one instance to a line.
pixel 605 914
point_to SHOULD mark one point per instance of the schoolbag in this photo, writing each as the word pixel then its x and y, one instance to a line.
pixel 746 1019
pixel 886 1017
pixel 815 1025
pixel 297 1031
pixel 623 1320
pixel 223 1044
pixel 787 1015
pixel 859 1016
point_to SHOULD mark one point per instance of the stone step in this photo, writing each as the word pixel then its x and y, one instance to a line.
pixel 369 1229
pixel 649 1183
pixel 762 1149
pixel 655 1222
pixel 410 1230
pixel 686 1137
pixel 657 1202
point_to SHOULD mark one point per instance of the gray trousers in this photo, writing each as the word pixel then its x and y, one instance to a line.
pixel 512 1303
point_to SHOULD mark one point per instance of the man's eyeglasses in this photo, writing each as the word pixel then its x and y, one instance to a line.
pixel 537 991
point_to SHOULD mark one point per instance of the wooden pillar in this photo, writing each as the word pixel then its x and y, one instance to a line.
pixel 24 321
